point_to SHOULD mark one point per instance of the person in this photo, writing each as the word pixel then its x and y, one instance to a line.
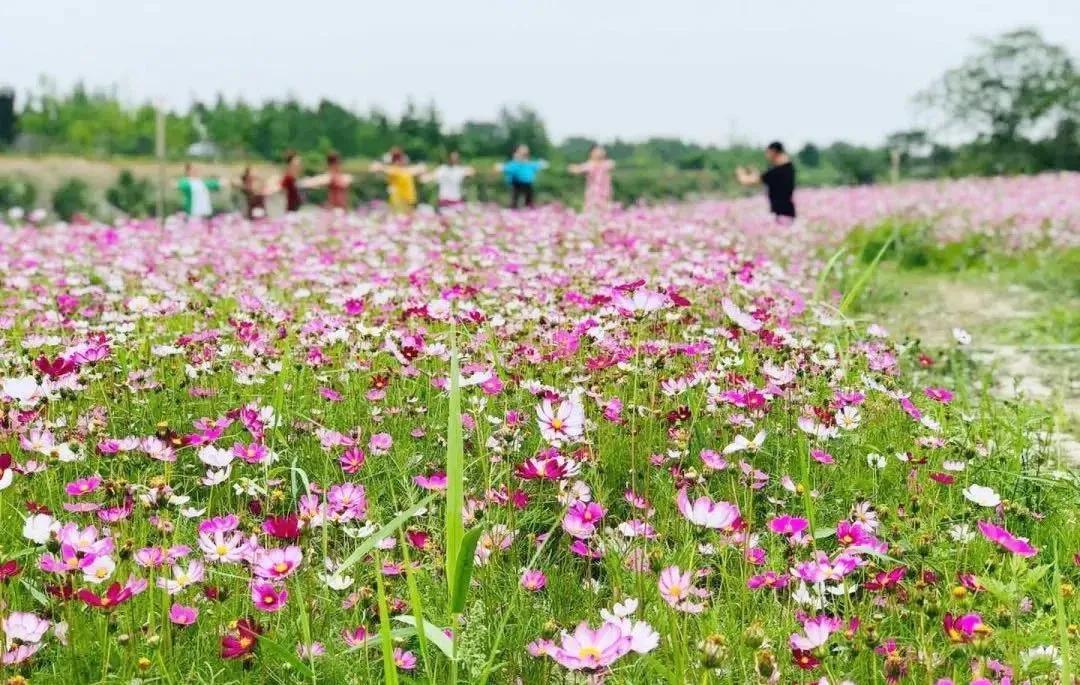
pixel 520 173
pixel 597 171
pixel 254 199
pixel 450 177
pixel 195 192
pixel 400 180
pixel 337 183
pixel 779 181
pixel 291 184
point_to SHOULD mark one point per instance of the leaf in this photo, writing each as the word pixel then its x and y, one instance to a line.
pixel 466 560
pixel 455 467
pixel 376 638
pixel 386 635
pixel 382 533
pixel 286 655
pixel 35 593
pixel 864 278
pixel 433 633
pixel 823 533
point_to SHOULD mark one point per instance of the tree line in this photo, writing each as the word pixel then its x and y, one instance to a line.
pixel 1012 107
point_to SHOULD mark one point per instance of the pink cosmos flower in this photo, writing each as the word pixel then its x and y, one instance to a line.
pixel 404 660
pixel 939 394
pixel 436 481
pixel 582 518
pixel 182 615
pixel 266 597
pixel 788 525
pixel 533 580
pixel 352 459
pixel 23 627
pixel 677 588
pixel 380 443
pixel 816 632
pixel 83 486
pixel 705 512
pixel 354 637
pixel 1000 536
pixel 563 424
pixel 277 564
pixel 591 649
pixel 964 628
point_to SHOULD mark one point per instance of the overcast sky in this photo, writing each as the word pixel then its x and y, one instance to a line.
pixel 705 70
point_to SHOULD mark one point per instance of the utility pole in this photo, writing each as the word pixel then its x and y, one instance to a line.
pixel 894 158
pixel 160 150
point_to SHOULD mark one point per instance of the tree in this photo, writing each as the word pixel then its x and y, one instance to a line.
pixel 7 116
pixel 1016 84
pixel 810 156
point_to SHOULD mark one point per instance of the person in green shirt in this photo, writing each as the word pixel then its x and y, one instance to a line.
pixel 195 192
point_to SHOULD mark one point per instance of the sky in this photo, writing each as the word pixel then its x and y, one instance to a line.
pixel 712 71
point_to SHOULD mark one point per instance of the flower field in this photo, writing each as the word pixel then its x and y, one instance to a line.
pixel 648 446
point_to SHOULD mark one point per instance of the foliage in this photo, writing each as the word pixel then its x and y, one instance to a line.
pixel 16 192
pixel 132 195
pixel 72 197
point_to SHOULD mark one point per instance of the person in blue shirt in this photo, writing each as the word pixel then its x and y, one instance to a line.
pixel 520 174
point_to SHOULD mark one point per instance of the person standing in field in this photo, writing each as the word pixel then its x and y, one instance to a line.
pixel 195 192
pixel 254 199
pixel 400 180
pixel 291 184
pixel 597 171
pixel 779 181
pixel 520 173
pixel 449 177
pixel 335 181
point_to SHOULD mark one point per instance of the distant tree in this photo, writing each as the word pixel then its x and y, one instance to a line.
pixel 809 156
pixel 1015 84
pixel 7 116
pixel 523 125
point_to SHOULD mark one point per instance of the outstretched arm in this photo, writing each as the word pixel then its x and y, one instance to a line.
pixel 576 168
pixel 747 177
pixel 314 181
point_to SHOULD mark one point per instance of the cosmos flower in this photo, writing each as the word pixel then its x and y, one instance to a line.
pixel 705 512
pixel 998 535
pixel 562 424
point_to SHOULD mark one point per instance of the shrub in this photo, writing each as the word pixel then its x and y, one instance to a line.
pixel 131 195
pixel 71 198
pixel 16 192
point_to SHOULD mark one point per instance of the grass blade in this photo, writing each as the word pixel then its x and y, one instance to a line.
pixel 382 533
pixel 433 633
pixel 386 634
pixel 864 278
pixel 286 655
pixel 455 467
pixel 466 558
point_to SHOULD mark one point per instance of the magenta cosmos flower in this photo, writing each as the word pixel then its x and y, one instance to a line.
pixel 266 597
pixel 1000 536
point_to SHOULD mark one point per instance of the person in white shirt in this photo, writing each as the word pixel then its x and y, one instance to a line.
pixel 450 177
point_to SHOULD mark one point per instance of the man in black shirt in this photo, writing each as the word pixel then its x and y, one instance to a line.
pixel 779 181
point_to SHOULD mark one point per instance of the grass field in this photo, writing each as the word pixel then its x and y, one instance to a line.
pixel 677 444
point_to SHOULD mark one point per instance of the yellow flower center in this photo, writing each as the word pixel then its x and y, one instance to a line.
pixel 557 424
pixel 588 653
pixel 281 567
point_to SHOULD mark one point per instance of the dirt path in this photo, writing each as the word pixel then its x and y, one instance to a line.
pixel 927 308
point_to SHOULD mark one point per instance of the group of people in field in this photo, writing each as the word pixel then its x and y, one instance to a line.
pixel 520 173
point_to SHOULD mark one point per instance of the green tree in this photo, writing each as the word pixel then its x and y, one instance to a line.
pixel 1016 84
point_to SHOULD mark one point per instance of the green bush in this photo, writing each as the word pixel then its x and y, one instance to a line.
pixel 71 198
pixel 16 192
pixel 133 196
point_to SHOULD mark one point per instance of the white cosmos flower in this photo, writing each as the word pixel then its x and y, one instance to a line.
pixel 100 570
pixel 22 389
pixel 875 460
pixel 961 336
pixel 982 495
pixel 740 443
pixel 39 528
pixel 215 456
pixel 961 533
